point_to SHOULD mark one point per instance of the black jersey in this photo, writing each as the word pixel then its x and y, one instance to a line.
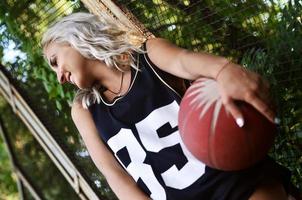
pixel 141 131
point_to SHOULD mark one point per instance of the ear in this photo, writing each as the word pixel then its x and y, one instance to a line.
pixel 124 57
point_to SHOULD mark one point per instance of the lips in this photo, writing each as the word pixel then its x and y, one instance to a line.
pixel 69 78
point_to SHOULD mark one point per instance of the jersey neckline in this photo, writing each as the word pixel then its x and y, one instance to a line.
pixel 134 73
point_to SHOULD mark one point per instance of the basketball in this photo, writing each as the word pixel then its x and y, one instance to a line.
pixel 211 134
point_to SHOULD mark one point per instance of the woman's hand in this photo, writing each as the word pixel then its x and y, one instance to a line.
pixel 237 83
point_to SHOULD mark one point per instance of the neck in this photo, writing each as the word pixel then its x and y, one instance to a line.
pixel 109 78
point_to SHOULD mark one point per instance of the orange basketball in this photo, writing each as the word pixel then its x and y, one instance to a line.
pixel 212 135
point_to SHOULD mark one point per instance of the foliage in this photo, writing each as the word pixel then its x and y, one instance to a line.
pixel 264 35
pixel 23 22
pixel 33 161
pixel 280 63
pixel 8 185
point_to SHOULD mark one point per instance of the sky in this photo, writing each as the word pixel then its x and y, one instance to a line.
pixel 11 53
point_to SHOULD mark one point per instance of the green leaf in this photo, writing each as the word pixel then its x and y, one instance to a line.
pixel 47 86
pixel 59 105
pixel 61 91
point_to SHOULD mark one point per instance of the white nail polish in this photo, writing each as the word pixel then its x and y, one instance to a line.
pixel 240 122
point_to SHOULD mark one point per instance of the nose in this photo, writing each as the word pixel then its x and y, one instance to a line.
pixel 61 78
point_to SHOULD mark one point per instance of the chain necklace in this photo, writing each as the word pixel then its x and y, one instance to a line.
pixel 121 86
pixel 103 89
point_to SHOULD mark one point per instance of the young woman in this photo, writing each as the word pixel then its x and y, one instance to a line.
pixel 126 112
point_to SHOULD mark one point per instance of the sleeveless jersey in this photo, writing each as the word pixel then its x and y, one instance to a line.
pixel 141 131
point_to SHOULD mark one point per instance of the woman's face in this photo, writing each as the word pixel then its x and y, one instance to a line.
pixel 69 65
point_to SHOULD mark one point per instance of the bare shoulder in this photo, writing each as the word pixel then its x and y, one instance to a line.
pixel 93 142
pixel 162 45
pixel 166 55
pixel 78 112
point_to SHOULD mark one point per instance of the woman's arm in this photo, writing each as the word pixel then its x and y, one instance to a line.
pixel 120 182
pixel 235 82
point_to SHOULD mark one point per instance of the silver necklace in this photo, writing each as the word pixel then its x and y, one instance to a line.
pixel 121 86
pixel 121 96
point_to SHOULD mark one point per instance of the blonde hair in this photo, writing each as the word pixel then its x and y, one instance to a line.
pixel 94 37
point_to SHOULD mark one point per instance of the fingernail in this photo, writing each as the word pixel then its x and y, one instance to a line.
pixel 240 122
pixel 277 120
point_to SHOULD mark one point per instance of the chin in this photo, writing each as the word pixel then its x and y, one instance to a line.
pixel 84 86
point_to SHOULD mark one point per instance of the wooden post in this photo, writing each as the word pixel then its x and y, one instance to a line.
pixel 118 12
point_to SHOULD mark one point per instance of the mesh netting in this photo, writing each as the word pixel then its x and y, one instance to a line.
pixel 262 35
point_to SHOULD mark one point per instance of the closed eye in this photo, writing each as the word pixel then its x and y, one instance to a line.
pixel 53 62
